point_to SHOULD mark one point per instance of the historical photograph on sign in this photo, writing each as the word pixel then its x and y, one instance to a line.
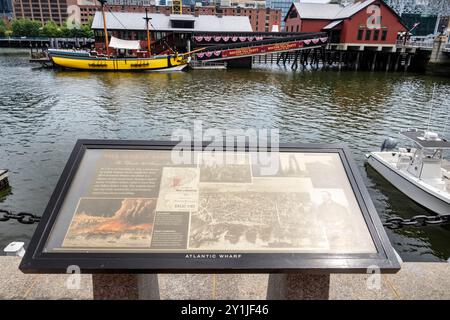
pixel 178 189
pixel 256 220
pixel 291 165
pixel 220 167
pixel 112 223
pixel 284 165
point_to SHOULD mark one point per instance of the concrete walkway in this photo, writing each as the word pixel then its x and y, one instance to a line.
pixel 414 281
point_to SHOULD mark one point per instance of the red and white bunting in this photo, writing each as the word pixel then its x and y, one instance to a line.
pixel 234 39
pixel 207 38
pixel 217 39
pixel 217 53
pixel 324 39
pixel 198 38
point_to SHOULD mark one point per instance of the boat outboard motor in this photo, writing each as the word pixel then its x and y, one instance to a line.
pixel 389 144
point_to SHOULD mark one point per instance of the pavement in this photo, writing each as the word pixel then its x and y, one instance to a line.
pixel 414 281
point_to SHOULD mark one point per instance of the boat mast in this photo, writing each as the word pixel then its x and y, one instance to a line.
pixel 147 19
pixel 103 2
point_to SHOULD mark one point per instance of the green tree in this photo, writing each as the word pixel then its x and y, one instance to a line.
pixel 74 31
pixel 26 28
pixel 2 28
pixel 51 30
pixel 87 28
pixel 5 28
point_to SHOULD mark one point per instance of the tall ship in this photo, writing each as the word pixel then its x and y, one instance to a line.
pixel 114 59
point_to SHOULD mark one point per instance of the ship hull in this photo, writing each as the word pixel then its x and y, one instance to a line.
pixel 157 63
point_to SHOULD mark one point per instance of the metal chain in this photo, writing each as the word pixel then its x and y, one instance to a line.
pixel 391 223
pixel 21 217
pixel 417 221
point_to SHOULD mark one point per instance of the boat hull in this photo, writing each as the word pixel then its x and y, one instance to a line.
pixel 158 63
pixel 414 191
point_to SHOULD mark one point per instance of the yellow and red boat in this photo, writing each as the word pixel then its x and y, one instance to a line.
pixel 113 61
pixel 83 60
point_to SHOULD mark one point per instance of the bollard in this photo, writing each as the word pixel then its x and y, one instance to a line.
pixel 15 249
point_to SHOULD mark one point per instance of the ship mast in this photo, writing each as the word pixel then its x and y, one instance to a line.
pixel 103 2
pixel 147 19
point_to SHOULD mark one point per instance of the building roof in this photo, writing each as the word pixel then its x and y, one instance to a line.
pixel 333 24
pixel 135 21
pixel 353 8
pixel 329 11
pixel 317 10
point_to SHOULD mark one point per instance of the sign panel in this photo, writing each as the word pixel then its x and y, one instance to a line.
pixel 119 202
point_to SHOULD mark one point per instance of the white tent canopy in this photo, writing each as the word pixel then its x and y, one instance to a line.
pixel 124 44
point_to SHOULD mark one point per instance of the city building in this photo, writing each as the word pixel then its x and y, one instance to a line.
pixel 42 10
pixel 283 5
pixel 261 19
pixel 5 9
pixel 350 26
pixel 245 3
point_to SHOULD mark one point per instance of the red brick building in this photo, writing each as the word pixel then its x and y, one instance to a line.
pixel 42 10
pixel 261 19
pixel 364 23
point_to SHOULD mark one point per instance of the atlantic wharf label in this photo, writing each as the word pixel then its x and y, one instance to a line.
pixel 213 256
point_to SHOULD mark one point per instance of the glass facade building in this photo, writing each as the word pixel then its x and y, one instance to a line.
pixel 5 8
pixel 284 5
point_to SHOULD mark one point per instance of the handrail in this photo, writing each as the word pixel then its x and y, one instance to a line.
pixel 415 44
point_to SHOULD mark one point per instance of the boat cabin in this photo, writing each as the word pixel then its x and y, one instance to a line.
pixel 426 161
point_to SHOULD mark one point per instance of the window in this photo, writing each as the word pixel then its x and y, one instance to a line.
pixel 384 35
pixel 297 27
pixel 368 34
pixel 376 35
pixel 293 14
pixel 182 24
pixel 360 34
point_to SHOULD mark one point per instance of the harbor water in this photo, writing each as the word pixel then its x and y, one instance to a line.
pixel 43 112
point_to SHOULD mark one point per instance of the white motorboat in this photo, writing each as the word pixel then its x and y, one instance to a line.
pixel 419 172
pixel 3 179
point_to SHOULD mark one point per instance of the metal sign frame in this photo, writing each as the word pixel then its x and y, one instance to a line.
pixel 38 261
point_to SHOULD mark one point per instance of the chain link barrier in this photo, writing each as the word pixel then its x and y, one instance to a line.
pixel 21 217
pixel 417 221
pixel 390 223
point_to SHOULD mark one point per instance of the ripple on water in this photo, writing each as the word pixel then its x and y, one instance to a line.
pixel 43 112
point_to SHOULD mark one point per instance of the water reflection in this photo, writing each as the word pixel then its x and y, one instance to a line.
pixel 43 112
